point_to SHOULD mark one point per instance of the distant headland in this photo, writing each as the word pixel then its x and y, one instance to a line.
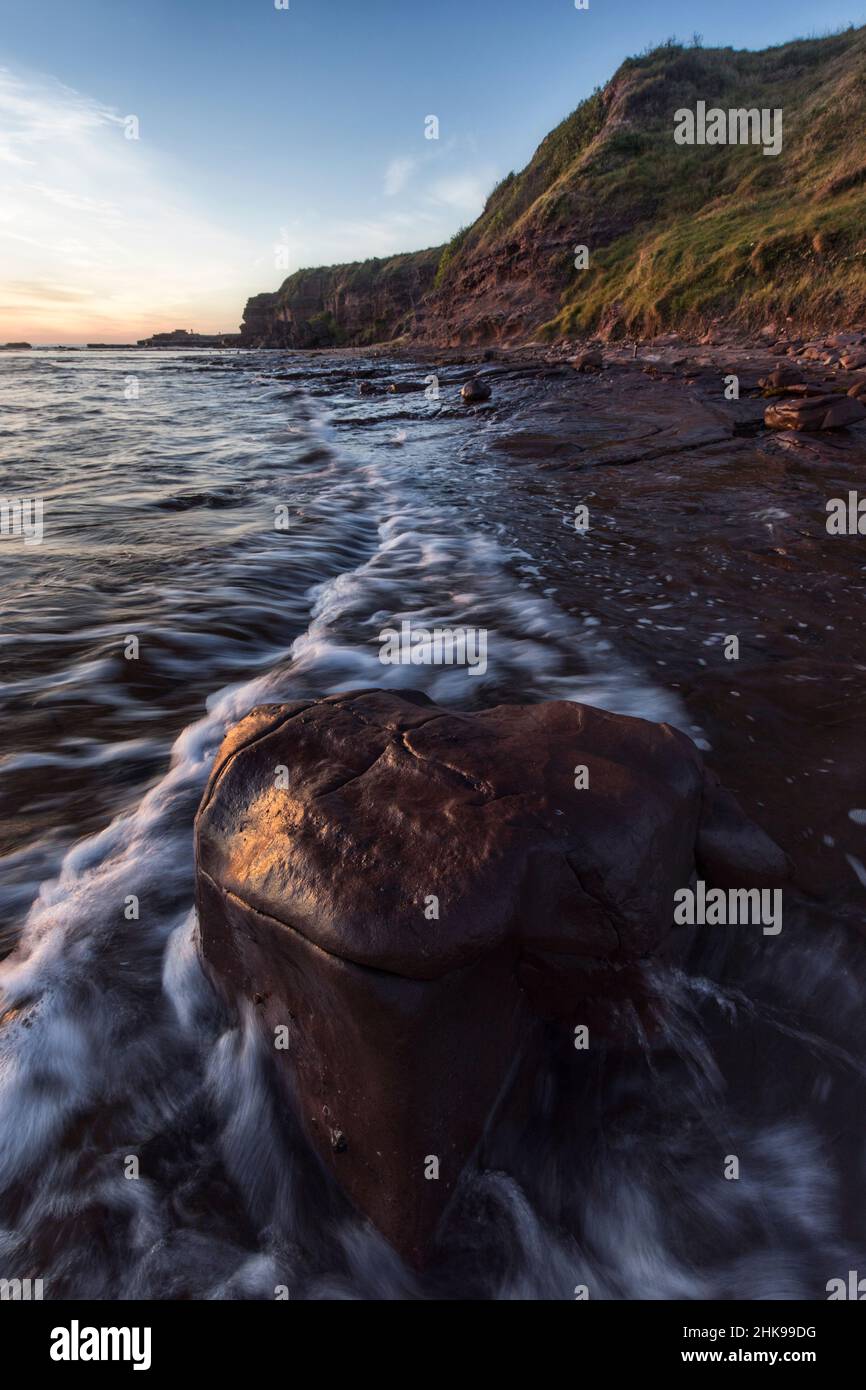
pixel 177 338
pixel 183 337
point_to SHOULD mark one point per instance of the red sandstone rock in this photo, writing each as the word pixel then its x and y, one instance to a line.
pixel 784 375
pixel 814 413
pixel 475 391
pixel 590 360
pixel 330 831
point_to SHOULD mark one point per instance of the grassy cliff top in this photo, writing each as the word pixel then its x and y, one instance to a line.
pixel 680 233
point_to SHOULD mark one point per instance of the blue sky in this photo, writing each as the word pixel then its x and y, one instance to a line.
pixel 270 139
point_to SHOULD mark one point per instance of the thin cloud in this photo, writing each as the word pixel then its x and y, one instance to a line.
pixel 124 253
pixel 465 191
pixel 103 220
pixel 397 175
pixel 437 206
pixel 36 290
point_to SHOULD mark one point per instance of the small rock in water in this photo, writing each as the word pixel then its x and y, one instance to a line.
pixel 785 375
pixel 590 360
pixel 369 388
pixel 475 391
pixel 400 388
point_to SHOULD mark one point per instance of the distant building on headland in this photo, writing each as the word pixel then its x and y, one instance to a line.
pixel 181 337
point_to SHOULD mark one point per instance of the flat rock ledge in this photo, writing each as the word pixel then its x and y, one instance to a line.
pixel 403 892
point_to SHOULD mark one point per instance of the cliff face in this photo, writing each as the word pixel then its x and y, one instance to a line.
pixel 677 235
pixel 332 306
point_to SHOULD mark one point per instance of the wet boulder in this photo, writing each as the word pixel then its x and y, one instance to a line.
pixel 814 413
pixel 403 892
pixel 475 391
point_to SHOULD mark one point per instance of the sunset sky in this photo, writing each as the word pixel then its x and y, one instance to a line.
pixel 261 127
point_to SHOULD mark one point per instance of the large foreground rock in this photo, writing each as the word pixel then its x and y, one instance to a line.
pixel 407 888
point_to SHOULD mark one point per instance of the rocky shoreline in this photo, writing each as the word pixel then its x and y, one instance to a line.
pixel 703 513
pixel 719 527
pixel 663 502
pixel 702 524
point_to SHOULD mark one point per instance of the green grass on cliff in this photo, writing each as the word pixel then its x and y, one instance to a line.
pixel 764 261
pixel 680 235
pixel 361 303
